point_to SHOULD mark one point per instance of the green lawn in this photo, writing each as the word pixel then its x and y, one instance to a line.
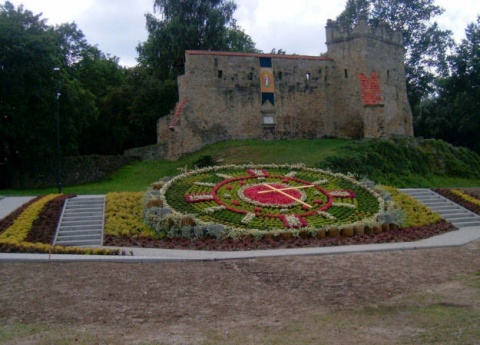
pixel 138 176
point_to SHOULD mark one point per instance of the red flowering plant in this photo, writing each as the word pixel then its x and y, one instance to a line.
pixel 270 198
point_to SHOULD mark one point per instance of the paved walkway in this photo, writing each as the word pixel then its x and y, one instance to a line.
pixel 10 204
pixel 460 237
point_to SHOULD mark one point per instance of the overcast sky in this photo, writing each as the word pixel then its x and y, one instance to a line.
pixel 298 27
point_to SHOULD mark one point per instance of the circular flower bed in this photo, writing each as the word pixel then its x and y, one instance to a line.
pixel 233 201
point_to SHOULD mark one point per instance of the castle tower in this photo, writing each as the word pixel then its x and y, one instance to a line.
pixel 357 91
pixel 371 86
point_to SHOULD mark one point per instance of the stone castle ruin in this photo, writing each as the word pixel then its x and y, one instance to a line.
pixel 357 90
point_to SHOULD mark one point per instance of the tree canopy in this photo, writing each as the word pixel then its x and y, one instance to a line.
pixel 39 62
pixel 103 108
pixel 453 114
pixel 179 25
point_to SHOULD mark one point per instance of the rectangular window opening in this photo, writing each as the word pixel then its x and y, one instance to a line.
pixel 346 73
pixel 268 120
pixel 220 74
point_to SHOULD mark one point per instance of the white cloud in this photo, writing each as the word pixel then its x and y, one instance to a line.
pixel 298 27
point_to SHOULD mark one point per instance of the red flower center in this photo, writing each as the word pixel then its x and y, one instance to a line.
pixel 281 196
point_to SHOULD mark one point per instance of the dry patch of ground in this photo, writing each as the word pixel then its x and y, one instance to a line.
pixel 402 297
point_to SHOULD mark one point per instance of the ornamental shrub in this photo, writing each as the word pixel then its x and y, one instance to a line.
pixel 402 160
pixel 123 215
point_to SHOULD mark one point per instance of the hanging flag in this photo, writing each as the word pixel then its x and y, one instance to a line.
pixel 266 79
pixel 267 84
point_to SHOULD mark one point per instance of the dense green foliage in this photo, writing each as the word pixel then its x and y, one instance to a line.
pixel 51 76
pixel 379 160
pixel 403 162
pixel 189 25
pixel 453 115
pixel 42 64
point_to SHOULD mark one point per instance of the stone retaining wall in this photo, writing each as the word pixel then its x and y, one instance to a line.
pixel 75 170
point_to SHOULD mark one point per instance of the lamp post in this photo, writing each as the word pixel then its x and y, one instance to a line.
pixel 56 70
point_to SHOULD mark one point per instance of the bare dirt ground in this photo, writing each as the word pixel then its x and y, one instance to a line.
pixel 403 297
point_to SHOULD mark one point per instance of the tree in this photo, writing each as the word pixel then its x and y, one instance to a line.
pixel 426 45
pixel 27 59
pixel 36 62
pixel 189 25
pixel 453 114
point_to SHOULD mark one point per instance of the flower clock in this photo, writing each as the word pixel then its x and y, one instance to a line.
pixel 270 197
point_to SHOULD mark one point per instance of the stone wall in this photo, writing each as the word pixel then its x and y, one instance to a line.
pixel 148 153
pixel 357 90
pixel 75 170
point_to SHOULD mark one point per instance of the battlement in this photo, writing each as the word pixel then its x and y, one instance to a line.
pixel 336 34
pixel 356 90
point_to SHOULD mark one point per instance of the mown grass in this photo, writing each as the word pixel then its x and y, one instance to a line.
pixel 399 163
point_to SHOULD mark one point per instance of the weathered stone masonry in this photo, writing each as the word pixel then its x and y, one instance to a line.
pixel 357 90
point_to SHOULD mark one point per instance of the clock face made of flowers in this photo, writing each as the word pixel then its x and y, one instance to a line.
pixel 270 197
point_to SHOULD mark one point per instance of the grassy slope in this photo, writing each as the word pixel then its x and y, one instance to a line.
pixel 314 153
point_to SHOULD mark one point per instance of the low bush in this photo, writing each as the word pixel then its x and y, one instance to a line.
pixel 123 215
pixel 402 162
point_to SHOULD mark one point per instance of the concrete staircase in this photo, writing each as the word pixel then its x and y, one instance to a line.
pixel 81 223
pixel 450 211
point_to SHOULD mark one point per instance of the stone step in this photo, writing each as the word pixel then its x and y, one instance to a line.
pixel 73 234
pixel 466 224
pixel 81 223
pixel 84 218
pixel 78 243
pixel 450 211
pixel 83 208
pixel 448 207
pixel 81 227
pixel 459 217
pixel 434 203
pixel 79 236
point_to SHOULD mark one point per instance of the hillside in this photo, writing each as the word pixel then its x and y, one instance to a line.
pixel 396 162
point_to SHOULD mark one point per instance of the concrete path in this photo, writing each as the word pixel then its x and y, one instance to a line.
pixel 10 204
pixel 460 237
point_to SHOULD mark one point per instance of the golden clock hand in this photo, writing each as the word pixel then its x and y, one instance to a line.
pixel 288 188
pixel 287 195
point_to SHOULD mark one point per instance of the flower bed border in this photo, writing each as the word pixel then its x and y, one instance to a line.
pixel 296 227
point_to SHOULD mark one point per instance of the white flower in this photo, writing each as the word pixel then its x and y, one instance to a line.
pixel 326 215
pixel 224 176
pixel 293 221
pixel 198 197
pixel 340 194
pixel 248 218
pixel 214 209
pixel 342 204
pixel 205 184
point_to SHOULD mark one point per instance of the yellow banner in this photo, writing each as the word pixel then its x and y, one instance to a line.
pixel 266 79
